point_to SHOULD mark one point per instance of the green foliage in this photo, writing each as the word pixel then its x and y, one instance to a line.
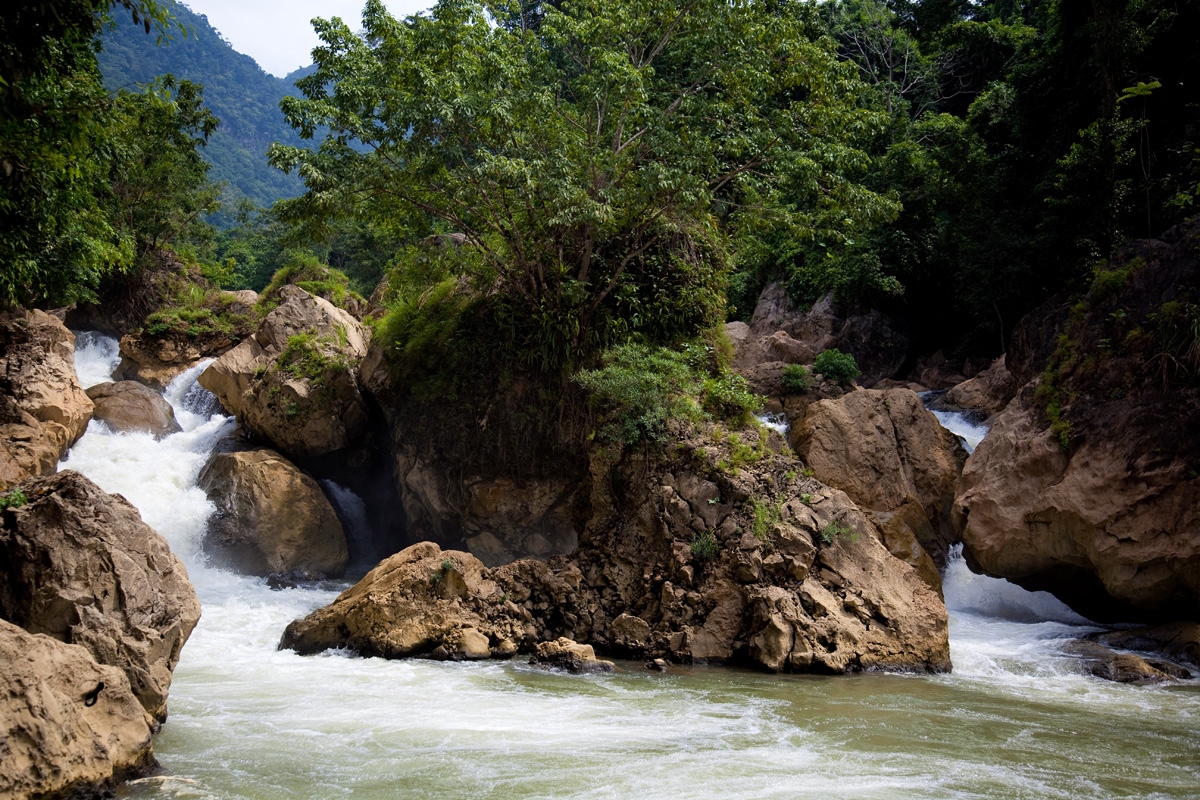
pixel 766 517
pixel 797 378
pixel 837 530
pixel 313 357
pixel 806 498
pixel 704 546
pixel 13 498
pixel 442 571
pixel 728 396
pixel 305 270
pixel 836 366
pixel 200 312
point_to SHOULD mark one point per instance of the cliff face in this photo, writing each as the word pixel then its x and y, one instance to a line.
pixel 1088 485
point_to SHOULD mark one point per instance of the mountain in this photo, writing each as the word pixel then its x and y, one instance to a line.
pixel 236 89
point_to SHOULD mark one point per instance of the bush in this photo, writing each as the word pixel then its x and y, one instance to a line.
pixel 728 396
pixel 642 387
pixel 797 378
pixel 12 499
pixel 839 367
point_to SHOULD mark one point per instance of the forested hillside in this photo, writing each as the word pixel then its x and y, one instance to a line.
pixel 241 95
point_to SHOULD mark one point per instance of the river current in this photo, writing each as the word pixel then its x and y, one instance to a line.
pixel 1015 719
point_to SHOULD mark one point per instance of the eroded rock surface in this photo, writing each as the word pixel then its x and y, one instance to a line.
pixel 1102 506
pixel 271 517
pixel 295 382
pixel 79 565
pixel 677 560
pixel 43 409
pixel 890 455
pixel 128 406
pixel 69 727
pixel 988 392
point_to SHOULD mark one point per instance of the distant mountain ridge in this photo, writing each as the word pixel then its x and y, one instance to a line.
pixel 236 89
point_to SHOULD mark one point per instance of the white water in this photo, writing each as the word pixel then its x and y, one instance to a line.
pixel 960 424
pixel 775 420
pixel 1014 720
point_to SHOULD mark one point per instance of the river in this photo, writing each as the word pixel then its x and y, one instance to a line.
pixel 1015 719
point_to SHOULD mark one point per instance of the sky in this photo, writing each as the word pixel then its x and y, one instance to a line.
pixel 277 33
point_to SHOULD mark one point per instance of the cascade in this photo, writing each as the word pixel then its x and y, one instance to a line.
pixel 1015 718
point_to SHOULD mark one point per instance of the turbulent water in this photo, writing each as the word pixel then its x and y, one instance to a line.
pixel 1016 719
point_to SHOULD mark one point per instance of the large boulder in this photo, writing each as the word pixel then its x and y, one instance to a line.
pixel 79 565
pixel 890 455
pixel 45 410
pixel 1088 483
pixel 70 727
pixel 131 407
pixel 271 517
pixel 295 382
pixel 682 557
pixel 988 392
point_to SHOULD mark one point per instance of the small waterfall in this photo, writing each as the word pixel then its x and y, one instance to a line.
pixel 352 511
pixel 775 420
pixel 96 357
pixel 965 426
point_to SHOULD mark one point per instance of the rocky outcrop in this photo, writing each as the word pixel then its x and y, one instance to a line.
pixel 271 517
pixel 891 456
pixel 1088 484
pixel 43 409
pixel 295 382
pixel 570 656
pixel 988 392
pixel 779 332
pixel 131 407
pixel 69 727
pixel 1103 662
pixel 80 565
pixel 1175 640
pixel 680 558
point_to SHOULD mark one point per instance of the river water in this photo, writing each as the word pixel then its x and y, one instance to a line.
pixel 1016 718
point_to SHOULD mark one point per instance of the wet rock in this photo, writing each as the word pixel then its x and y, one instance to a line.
pixel 656 665
pixel 69 727
pixel 1176 640
pixel 295 382
pixel 128 407
pixel 890 455
pixel 293 579
pixel 80 565
pixel 44 410
pixel 565 654
pixel 271 517
pixel 1104 663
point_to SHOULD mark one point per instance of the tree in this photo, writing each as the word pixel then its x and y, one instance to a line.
pixel 596 162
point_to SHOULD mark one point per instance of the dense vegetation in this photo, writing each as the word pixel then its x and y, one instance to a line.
pixel 236 90
pixel 561 190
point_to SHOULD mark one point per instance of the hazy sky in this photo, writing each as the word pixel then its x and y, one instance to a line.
pixel 277 33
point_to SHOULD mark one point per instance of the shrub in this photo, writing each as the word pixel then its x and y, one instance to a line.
pixel 705 546
pixel 766 516
pixel 728 396
pixel 14 498
pixel 836 530
pixel 797 378
pixel 839 367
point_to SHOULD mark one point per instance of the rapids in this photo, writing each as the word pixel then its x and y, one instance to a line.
pixel 1015 719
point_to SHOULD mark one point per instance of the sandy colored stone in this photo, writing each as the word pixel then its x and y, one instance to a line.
pixel 887 452
pixel 565 654
pixel 46 409
pixel 299 414
pixel 129 407
pixel 988 392
pixel 271 517
pixel 59 736
pixel 80 565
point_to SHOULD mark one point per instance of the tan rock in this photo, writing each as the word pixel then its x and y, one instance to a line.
pixel 59 736
pixel 271 517
pixel 155 362
pixel 569 655
pixel 1123 667
pixel 295 382
pixel 988 392
pixel 1178 640
pixel 128 406
pixel 83 568
pixel 49 408
pixel 887 452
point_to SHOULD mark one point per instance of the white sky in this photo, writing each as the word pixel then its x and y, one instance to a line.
pixel 277 33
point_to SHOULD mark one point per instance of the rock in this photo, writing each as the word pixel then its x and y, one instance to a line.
pixel 938 372
pixel 1102 508
pixel 156 361
pixel 989 391
pixel 1177 640
pixel 128 407
pixel 638 584
pixel 566 654
pixel 59 736
pixel 271 517
pixel 295 381
pixel 45 410
pixel 80 565
pixel 890 455
pixel 1123 667
pixel 656 665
